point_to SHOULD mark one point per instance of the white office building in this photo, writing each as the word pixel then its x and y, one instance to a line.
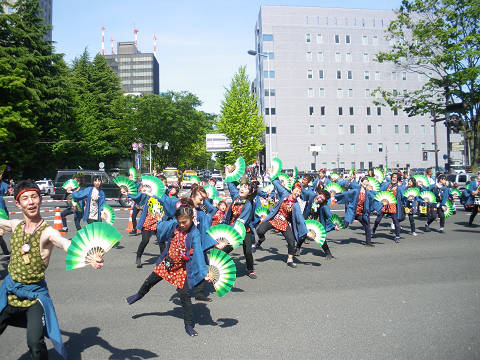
pixel 314 78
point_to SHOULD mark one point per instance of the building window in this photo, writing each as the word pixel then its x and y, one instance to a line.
pixel 366 74
pixel 347 38
pixel 396 129
pixel 322 110
pixel 394 75
pixel 308 55
pixel 407 130
pixel 367 92
pixel 369 129
pixel 340 110
pixel 337 39
pixel 348 57
pixel 323 129
pixel 364 40
pixel 310 92
pixel 395 112
pixel 422 129
pixel 423 146
pixel 340 130
pixel 267 37
pixel 323 147
pixel 270 93
pixel 321 74
pixel 407 147
pixel 312 129
pixel 309 74
pixel 319 39
pixel 307 38
pixel 352 129
pixel 350 92
pixel 377 75
pixel 380 147
pixel 350 110
pixel 339 74
pixel 320 56
pixel 270 74
pixel 379 129
pixel 274 129
pixel 270 111
pixel 365 58
pixel 338 57
pixel 375 39
pixel 349 75
pixel 339 93
pixel 321 92
pixel 369 112
pixel 267 130
pixel 369 147
pixel 379 110
pixel 404 75
pixel 352 149
pixel 397 147
pixel 341 148
pixel 310 110
pixel 395 92
pixel 271 56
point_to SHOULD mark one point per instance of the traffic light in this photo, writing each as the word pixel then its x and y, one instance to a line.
pixel 425 155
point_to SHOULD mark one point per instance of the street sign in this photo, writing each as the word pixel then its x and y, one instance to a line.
pixel 314 148
pixel 101 165
pixel 218 143
pixel 456 146
pixel 444 157
pixel 140 146
pixel 135 146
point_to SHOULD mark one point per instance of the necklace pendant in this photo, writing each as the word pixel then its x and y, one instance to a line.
pixel 26 259
pixel 25 248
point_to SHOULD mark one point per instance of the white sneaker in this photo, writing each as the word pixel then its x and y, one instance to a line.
pixel 414 233
pixel 392 226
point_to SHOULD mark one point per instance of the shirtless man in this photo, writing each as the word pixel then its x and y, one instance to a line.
pixel 24 293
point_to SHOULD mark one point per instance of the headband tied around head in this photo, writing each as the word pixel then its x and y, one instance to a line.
pixel 25 190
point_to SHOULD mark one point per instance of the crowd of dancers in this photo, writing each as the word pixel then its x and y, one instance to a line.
pixel 180 226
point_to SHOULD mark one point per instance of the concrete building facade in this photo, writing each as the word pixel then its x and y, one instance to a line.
pixel 314 82
pixel 139 72
pixel 46 13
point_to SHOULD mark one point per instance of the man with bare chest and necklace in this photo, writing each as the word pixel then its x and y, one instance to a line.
pixel 24 294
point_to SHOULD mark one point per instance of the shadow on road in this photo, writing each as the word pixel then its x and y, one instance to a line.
pixel 88 337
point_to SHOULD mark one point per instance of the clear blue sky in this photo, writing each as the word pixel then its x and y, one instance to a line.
pixel 200 43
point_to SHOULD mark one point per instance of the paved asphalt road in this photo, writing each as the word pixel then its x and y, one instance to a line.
pixel 415 300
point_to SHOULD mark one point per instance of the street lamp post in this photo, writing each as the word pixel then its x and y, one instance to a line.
pixel 254 53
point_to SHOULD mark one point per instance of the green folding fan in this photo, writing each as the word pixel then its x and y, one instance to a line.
pixel 276 168
pixel 374 183
pixel 194 179
pixel 262 212
pixel 455 192
pixel 379 175
pixel 268 189
pixel 132 172
pixel 226 234
pixel 222 270
pixel 286 181
pixel 108 215
pixel 337 221
pixel 238 172
pixel 295 174
pixel 70 183
pixel 385 196
pixel 333 187
pixel 411 192
pixel 316 231
pixel 90 243
pixel 428 196
pixel 334 176
pixel 3 214
pixel 351 173
pixel 211 191
pixel 240 228
pixel 449 211
pixel 421 180
pixel 126 184
pixel 154 185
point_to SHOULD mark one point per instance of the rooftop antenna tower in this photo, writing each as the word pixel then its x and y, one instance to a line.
pixel 154 44
pixel 135 32
pixel 103 40
pixel 112 40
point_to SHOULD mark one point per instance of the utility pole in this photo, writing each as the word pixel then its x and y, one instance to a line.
pixel 435 138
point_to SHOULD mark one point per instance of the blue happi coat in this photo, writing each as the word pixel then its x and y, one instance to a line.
pixel 87 195
pixel 351 199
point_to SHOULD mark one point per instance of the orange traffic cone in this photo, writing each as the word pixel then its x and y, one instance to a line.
pixel 333 202
pixel 130 223
pixel 57 221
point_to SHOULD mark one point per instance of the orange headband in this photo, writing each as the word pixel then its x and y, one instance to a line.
pixel 25 190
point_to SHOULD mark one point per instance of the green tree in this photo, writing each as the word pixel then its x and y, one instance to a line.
pixel 35 101
pixel 440 41
pixel 240 120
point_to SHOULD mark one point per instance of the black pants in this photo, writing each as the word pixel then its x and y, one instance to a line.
pixel 433 213
pixel 3 245
pixel 134 217
pixel 366 227
pixel 76 217
pixel 247 250
pixel 153 279
pixel 89 221
pixel 412 222
pixel 325 247
pixel 146 235
pixel 472 216
pixel 394 219
pixel 288 234
pixel 33 317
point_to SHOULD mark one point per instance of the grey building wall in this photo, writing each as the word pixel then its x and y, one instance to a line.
pixel 139 72
pixel 47 9
pixel 301 42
